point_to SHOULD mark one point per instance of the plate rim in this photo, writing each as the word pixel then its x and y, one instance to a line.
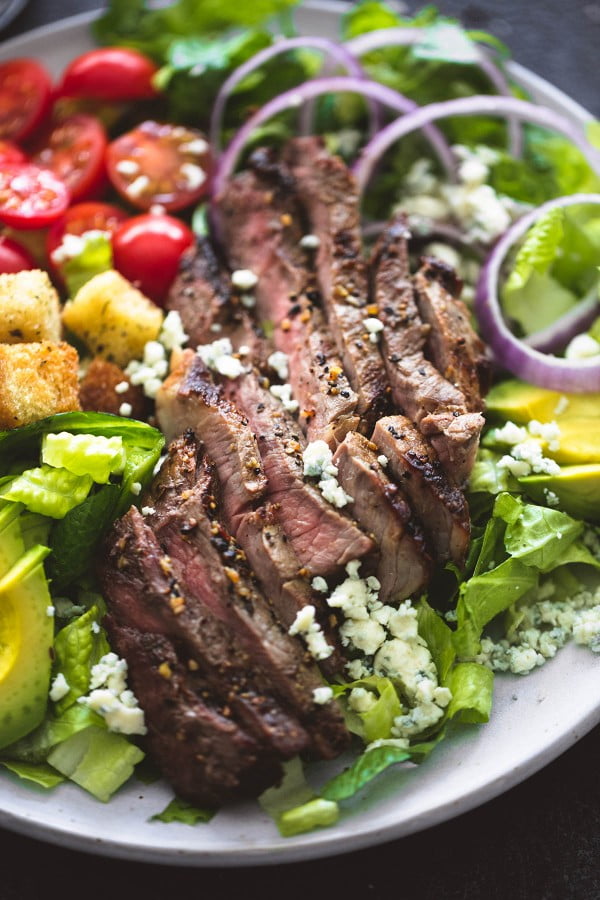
pixel 328 843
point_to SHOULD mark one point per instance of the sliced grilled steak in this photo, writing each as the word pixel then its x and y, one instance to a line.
pixel 322 538
pixel 329 195
pixel 201 293
pixel 212 571
pixel 404 564
pixel 437 407
pixel 143 593
pixel 260 225
pixel 189 399
pixel 284 581
pixel 207 757
pixel 442 509
pixel 456 350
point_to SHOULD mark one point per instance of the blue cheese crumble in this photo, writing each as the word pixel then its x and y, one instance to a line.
pixel 59 688
pixel 219 357
pixel 318 463
pixel 306 626
pixel 527 445
pixel 110 697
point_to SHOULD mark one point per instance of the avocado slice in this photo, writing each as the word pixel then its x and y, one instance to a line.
pixel 577 489
pixel 26 631
pixel 520 402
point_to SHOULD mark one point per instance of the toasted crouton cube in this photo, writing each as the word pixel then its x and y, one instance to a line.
pixel 38 380
pixel 113 318
pixel 29 308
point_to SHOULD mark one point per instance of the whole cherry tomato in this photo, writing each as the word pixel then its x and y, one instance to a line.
pixel 110 73
pixel 14 257
pixel 25 98
pixel 147 250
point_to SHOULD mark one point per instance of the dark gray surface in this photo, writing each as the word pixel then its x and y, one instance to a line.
pixel 540 841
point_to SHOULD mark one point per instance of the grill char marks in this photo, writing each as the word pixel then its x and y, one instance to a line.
pixel 207 757
pixel 322 538
pixel 211 570
pixel 189 399
pixel 330 198
pixel 201 293
pixel 454 347
pixel 260 222
pixel 143 594
pixel 404 564
pixel 441 508
pixel 436 406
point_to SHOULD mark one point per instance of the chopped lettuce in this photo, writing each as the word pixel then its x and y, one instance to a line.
pixel 95 256
pixel 48 491
pixel 85 454
pixel 376 722
pixel 77 647
pixel 39 773
pixel 179 810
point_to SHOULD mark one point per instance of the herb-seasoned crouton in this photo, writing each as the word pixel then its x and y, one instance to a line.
pixel 38 380
pixel 29 308
pixel 106 388
pixel 112 318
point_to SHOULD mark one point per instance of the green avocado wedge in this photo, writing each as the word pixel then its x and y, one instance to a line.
pixel 576 487
pixel 519 402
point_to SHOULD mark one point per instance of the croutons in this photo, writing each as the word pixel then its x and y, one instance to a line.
pixel 106 388
pixel 38 380
pixel 29 308
pixel 112 318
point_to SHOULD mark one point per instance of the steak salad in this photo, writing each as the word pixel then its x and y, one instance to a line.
pixel 300 436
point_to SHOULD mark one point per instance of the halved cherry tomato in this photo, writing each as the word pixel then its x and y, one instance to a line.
pixel 147 250
pixel 156 164
pixel 30 197
pixel 14 257
pixel 10 153
pixel 109 73
pixel 74 150
pixel 81 218
pixel 25 97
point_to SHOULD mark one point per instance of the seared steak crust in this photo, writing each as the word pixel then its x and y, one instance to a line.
pixel 436 406
pixel 330 198
pixel 441 508
pixel 455 348
pixel 404 564
pixel 201 293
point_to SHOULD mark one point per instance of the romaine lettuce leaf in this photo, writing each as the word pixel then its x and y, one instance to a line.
pixel 39 773
pixel 48 491
pixel 376 722
pixel 179 810
pixel 471 685
pixel 77 647
pixel 95 257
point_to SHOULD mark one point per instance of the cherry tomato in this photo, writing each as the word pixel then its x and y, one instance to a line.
pixel 30 197
pixel 14 257
pixel 81 218
pixel 25 98
pixel 74 150
pixel 147 250
pixel 110 73
pixel 157 164
pixel 10 153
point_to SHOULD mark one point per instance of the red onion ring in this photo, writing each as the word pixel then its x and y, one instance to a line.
pixel 315 88
pixel 404 37
pixel 335 52
pixel 468 106
pixel 570 376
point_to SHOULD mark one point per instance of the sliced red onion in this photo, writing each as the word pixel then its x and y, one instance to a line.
pixel 470 106
pixel 315 88
pixel 511 353
pixel 557 335
pixel 336 52
pixel 403 37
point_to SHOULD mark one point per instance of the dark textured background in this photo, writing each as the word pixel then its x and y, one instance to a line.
pixel 541 840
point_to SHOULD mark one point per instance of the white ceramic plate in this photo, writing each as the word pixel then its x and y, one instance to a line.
pixel 534 720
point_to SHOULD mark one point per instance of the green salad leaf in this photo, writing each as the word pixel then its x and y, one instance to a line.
pixel 179 810
pixel 39 773
pixel 96 256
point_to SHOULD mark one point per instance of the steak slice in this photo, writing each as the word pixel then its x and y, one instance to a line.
pixel 201 293
pixel 329 195
pixel 322 538
pixel 441 508
pixel 404 564
pixel 206 756
pixel 189 399
pixel 143 593
pixel 455 348
pixel 284 581
pixel 212 571
pixel 437 407
pixel 260 224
